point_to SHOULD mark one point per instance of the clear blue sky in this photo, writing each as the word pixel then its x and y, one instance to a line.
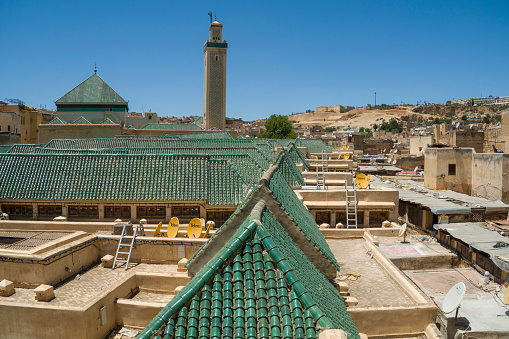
pixel 283 56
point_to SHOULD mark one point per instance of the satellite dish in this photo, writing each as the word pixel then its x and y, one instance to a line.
pixel 422 173
pixel 194 229
pixel 346 156
pixel 384 150
pixel 209 227
pixel 158 229
pixel 173 228
pixel 453 298
pixel 396 151
pixel 416 168
pixel 402 232
pixel 339 156
pixel 394 162
pixel 458 124
pixel 361 181
pixel 471 125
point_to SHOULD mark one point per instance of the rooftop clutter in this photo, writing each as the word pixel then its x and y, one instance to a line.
pixel 268 276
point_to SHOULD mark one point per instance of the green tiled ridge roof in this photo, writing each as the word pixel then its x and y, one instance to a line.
pixel 254 288
pixel 148 142
pixel 119 177
pixel 299 214
pixel 93 90
pixel 173 127
pixel 23 148
pixel 208 134
pixel 250 161
pixel 297 156
pixel 57 121
pixel 324 294
pixel 107 121
pixel 314 145
pixel 5 149
pixel 289 170
pixel 198 121
pixel 81 121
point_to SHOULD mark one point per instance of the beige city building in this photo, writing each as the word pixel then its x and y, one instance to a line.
pixel 18 123
pixel 214 78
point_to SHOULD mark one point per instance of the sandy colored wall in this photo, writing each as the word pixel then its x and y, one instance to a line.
pixel 50 132
pixel 419 143
pixel 436 164
pixel 30 273
pixel 409 163
pixel 487 176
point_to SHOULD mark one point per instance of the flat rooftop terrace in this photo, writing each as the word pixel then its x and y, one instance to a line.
pixel 86 286
pixel 374 287
pixel 481 312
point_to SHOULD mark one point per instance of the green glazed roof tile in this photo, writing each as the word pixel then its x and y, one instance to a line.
pixel 263 285
pixel 93 90
pixel 57 121
pixel 105 177
pixel 81 121
pixel 107 121
pixel 173 127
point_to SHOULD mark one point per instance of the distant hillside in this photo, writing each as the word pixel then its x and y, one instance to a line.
pixel 367 116
pixel 359 117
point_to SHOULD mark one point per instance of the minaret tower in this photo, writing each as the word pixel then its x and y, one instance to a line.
pixel 214 78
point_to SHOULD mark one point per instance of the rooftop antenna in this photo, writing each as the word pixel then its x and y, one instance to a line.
pixel 210 14
pixel 95 68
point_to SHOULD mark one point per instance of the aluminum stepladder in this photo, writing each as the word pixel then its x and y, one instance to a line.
pixel 320 176
pixel 351 206
pixel 122 245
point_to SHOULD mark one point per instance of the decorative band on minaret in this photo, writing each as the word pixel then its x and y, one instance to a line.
pixel 214 78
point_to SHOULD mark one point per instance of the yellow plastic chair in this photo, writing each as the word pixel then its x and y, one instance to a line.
pixel 346 156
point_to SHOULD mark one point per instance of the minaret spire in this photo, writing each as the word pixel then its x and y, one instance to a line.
pixel 95 68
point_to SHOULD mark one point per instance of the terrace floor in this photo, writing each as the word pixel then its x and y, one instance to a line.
pixel 374 287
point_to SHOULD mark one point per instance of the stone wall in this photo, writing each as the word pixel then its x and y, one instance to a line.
pixel 438 164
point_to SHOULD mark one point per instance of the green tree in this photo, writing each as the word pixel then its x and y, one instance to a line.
pixel 330 129
pixel 278 127
pixel 464 117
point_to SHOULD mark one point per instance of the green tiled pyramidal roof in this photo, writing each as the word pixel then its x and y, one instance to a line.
pixel 258 284
pixel 93 90
pixel 81 121
pixel 120 177
pixel 208 134
pixel 107 121
pixel 173 127
pixel 57 121
pixel 198 121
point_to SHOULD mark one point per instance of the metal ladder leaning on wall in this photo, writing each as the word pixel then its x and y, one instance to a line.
pixel 125 245
pixel 351 206
pixel 320 176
